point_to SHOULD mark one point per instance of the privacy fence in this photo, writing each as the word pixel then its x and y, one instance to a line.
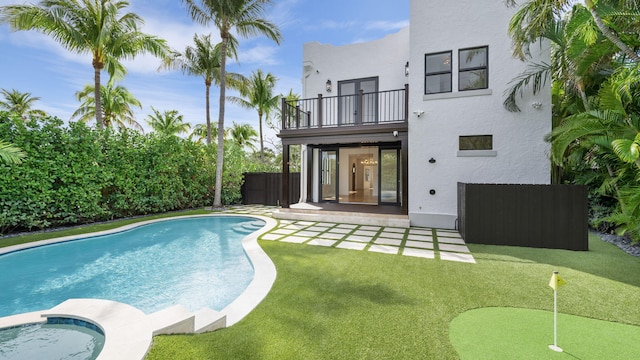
pixel 266 188
pixel 541 216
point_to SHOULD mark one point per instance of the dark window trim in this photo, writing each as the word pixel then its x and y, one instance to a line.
pixel 450 72
pixel 359 80
pixel 485 68
pixel 489 136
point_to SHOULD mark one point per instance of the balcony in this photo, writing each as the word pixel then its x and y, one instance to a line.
pixel 347 113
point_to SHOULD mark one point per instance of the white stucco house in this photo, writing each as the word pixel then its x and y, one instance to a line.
pixel 396 123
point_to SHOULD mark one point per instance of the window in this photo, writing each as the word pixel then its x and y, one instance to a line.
pixel 473 68
pixel 437 72
pixel 476 142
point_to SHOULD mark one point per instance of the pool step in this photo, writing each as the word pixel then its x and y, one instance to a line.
pixel 178 320
pixel 248 227
pixel 209 320
pixel 172 320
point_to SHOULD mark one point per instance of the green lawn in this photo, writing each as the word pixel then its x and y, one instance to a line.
pixel 342 304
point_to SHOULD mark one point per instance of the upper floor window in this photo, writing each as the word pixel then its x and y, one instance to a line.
pixel 473 68
pixel 437 72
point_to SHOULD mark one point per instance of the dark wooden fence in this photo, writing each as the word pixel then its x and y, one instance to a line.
pixel 541 216
pixel 266 188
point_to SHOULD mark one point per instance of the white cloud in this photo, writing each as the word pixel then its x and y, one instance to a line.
pixel 259 54
pixel 387 25
pixel 333 25
pixel 283 14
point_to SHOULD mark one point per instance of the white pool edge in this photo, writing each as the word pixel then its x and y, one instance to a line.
pixel 139 342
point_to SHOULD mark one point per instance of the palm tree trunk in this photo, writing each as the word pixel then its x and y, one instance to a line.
pixel 261 140
pixel 207 87
pixel 217 197
pixel 609 34
pixel 96 94
pixel 583 95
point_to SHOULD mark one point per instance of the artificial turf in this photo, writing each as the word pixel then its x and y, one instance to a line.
pixel 510 333
pixel 342 304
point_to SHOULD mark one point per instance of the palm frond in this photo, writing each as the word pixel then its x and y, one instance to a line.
pixel 11 154
pixel 536 74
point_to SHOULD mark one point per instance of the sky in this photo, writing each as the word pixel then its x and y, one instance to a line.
pixel 34 63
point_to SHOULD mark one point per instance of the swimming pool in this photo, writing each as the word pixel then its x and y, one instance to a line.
pixel 195 262
pixel 59 338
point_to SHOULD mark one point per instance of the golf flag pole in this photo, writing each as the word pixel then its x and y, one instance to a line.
pixel 554 283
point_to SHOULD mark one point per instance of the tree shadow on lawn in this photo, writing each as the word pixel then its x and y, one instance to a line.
pixel 322 305
pixel 603 259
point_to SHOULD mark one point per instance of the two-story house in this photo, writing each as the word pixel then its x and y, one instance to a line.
pixel 392 125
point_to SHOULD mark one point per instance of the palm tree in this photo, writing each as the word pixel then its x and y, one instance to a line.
pixel 535 16
pixel 243 134
pixel 169 122
pixel 116 106
pixel 244 17
pixel 258 95
pixel 203 59
pixel 199 132
pixel 10 154
pixel 97 27
pixel 573 62
pixel 291 98
pixel 20 103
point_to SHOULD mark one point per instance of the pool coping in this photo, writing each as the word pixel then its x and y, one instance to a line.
pixel 136 344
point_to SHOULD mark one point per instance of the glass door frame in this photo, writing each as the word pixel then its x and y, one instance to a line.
pixel 382 148
pixel 335 176
pixel 356 103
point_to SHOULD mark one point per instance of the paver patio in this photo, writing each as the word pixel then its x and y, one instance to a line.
pixel 421 242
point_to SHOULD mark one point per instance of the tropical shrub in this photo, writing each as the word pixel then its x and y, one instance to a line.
pixel 75 174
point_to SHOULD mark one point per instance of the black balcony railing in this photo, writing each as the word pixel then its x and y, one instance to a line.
pixel 361 109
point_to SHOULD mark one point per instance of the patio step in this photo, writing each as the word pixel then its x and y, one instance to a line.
pixel 209 320
pixel 342 217
pixel 172 320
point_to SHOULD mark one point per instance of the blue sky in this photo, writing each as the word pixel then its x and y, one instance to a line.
pixel 31 62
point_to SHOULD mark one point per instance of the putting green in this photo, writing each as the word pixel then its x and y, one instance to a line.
pixel 512 333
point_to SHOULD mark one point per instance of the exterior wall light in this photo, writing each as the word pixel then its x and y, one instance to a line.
pixel 406 69
pixel 432 161
pixel 328 85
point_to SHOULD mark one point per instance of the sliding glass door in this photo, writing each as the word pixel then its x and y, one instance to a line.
pixel 389 176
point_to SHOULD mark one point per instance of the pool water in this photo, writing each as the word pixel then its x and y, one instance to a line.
pixel 195 262
pixel 56 340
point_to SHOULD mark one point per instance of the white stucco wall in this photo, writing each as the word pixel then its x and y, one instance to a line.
pixel 384 58
pixel 521 155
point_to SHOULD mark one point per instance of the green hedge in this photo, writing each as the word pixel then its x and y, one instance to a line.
pixel 75 174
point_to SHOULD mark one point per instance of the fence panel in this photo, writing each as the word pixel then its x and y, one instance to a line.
pixel 542 216
pixel 266 188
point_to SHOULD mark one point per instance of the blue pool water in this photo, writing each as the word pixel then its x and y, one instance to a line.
pixel 57 341
pixel 195 262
